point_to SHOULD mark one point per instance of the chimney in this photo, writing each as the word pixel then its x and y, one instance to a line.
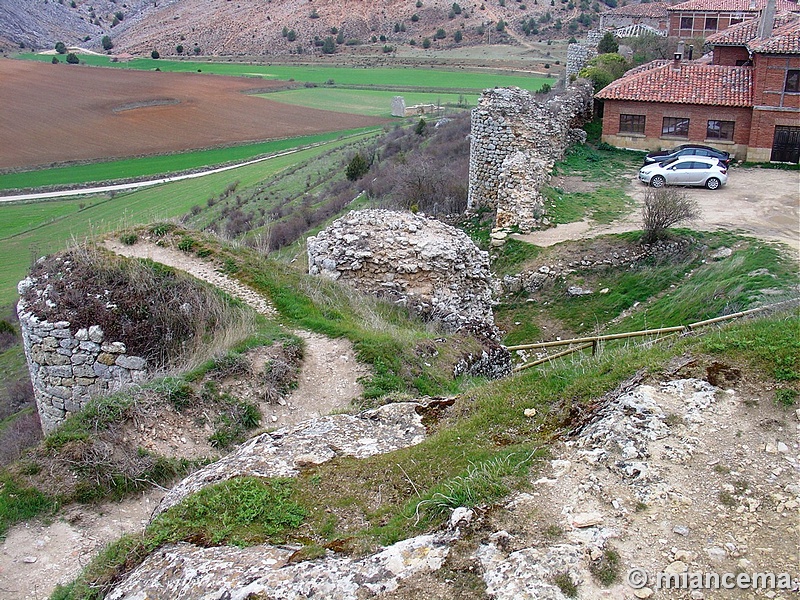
pixel 767 20
pixel 676 62
pixel 681 46
pixel 690 53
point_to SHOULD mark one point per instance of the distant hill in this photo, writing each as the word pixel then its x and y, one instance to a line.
pixel 267 27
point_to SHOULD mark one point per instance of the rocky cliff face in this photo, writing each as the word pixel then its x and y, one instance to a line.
pixel 37 24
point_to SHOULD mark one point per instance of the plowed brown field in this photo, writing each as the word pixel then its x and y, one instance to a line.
pixel 57 113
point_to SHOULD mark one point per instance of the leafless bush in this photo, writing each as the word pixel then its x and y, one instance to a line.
pixel 663 208
pixel 23 432
pixel 18 395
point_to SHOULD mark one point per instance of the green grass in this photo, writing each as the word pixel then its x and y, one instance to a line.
pixel 23 240
pixel 406 77
pixel 604 205
pixel 376 103
pixel 19 502
pixel 241 511
pixel 606 167
pixel 673 291
pixel 771 345
pixel 151 166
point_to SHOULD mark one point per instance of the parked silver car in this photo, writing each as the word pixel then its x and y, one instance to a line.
pixel 686 170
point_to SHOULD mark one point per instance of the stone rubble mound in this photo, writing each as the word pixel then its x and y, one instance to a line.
pixel 284 452
pixel 515 141
pixel 417 261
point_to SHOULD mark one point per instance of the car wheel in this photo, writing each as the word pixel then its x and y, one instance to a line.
pixel 658 181
pixel 713 183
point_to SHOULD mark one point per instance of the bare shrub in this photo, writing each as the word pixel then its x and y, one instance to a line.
pixel 21 433
pixel 18 395
pixel 663 208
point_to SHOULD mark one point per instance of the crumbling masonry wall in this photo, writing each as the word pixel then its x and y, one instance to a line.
pixel 419 262
pixel 68 368
pixel 515 141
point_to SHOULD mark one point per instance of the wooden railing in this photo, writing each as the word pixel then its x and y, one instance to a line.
pixel 593 342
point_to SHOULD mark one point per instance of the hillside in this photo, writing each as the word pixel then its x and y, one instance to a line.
pixel 255 28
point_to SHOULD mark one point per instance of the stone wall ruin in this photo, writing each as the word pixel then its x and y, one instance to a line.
pixel 432 268
pixel 67 369
pixel 515 141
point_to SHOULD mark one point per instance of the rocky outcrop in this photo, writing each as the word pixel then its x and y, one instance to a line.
pixel 630 486
pixel 434 269
pixel 284 452
pixel 184 571
pixel 68 369
pixel 515 141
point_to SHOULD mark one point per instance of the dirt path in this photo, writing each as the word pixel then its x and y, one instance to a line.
pixel 758 202
pixel 329 377
pixel 37 556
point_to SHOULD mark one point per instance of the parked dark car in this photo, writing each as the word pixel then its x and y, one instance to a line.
pixel 688 150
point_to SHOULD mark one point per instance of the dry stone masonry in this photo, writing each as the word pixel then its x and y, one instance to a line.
pixel 68 369
pixel 515 141
pixel 420 262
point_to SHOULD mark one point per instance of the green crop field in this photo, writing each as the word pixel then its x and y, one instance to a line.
pixel 30 230
pixel 414 77
pixel 149 166
pixel 373 103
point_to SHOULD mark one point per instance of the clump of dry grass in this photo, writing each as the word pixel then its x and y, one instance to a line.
pixel 161 314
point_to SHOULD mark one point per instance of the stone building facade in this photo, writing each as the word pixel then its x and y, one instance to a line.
pixel 67 369
pixel 515 141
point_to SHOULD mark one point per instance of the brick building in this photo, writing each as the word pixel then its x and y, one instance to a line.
pixel 702 18
pixel 746 100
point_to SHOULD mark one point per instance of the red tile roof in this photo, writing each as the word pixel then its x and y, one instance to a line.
pixel 653 10
pixel 733 6
pixel 691 83
pixel 742 33
pixel 784 40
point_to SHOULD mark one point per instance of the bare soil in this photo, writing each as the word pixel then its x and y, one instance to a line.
pixel 56 113
pixel 764 203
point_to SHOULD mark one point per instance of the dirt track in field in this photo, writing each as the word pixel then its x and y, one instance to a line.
pixel 57 113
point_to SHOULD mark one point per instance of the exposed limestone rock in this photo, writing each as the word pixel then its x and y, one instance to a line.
pixel 515 141
pixel 621 433
pixel 184 571
pixel 420 262
pixel 284 452
pixel 528 574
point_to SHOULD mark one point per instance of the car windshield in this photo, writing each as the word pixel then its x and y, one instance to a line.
pixel 667 163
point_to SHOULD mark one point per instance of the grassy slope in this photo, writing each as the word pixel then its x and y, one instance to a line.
pixel 155 165
pixel 483 449
pixel 23 238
